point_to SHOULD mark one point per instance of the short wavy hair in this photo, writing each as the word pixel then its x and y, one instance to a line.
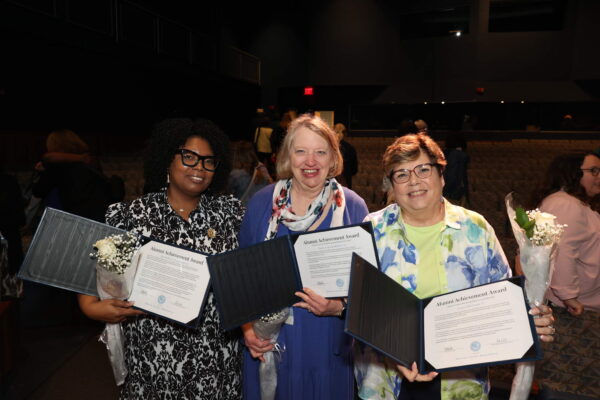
pixel 318 126
pixel 169 135
pixel 409 148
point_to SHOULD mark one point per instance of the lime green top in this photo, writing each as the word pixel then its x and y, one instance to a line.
pixel 431 274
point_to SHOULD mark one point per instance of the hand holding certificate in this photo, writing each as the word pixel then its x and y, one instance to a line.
pixel 162 279
pixel 324 258
pixel 483 325
pixel 171 281
pixel 263 278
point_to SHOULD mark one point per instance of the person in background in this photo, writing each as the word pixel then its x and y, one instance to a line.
pixel 407 126
pixel 280 131
pixel 12 218
pixel 430 247
pixel 421 126
pixel 349 156
pixel 570 191
pixel 70 179
pixel 262 140
pixel 456 178
pixel 248 174
pixel 186 169
pixel 571 183
pixel 317 360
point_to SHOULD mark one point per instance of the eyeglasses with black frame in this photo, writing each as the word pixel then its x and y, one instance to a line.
pixel 190 159
pixel 594 170
pixel 402 175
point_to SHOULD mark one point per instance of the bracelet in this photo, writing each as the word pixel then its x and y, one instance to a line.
pixel 342 313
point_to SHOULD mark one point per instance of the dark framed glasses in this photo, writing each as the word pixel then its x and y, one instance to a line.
pixel 191 159
pixel 594 170
pixel 421 171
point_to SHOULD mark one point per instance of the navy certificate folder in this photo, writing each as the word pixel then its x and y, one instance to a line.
pixel 59 254
pixel 260 279
pixel 387 317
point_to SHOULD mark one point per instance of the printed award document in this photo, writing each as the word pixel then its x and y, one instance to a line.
pixel 324 258
pixel 170 281
pixel 482 325
pixel 263 278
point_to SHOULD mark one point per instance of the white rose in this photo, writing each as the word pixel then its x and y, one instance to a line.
pixel 106 248
pixel 542 218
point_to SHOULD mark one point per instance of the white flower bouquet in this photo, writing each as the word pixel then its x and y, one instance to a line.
pixel 537 235
pixel 267 328
pixel 115 270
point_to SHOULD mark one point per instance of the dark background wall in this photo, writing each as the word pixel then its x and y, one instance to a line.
pixel 120 65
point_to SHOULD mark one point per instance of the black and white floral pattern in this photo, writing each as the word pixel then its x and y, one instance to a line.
pixel 167 360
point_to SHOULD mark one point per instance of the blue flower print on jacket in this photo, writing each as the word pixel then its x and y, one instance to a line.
pixel 497 267
pixel 474 231
pixel 471 255
pixel 378 233
pixel 408 251
pixel 459 273
pixel 475 256
pixel 410 282
pixel 391 218
pixel 387 259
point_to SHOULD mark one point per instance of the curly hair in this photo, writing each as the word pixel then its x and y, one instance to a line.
pixel 563 173
pixel 169 135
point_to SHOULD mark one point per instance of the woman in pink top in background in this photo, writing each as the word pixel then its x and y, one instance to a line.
pixel 571 185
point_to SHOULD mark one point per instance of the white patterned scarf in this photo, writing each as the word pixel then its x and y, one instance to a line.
pixel 282 208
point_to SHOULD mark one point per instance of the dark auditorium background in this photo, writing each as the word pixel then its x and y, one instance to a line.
pixel 518 79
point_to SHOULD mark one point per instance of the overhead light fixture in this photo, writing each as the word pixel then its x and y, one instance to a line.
pixel 456 32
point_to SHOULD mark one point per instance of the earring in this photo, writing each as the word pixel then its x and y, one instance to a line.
pixel 168 180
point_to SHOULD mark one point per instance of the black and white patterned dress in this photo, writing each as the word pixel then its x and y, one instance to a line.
pixel 167 360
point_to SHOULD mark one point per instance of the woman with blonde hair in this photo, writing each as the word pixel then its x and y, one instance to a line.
pixel 316 361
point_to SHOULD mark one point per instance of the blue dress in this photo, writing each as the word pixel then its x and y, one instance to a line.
pixel 317 361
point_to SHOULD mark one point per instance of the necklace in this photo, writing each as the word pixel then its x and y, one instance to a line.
pixel 180 209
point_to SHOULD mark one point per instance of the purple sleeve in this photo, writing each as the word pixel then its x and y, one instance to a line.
pixel 258 211
pixel 356 208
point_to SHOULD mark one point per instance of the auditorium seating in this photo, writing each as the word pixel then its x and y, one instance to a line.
pixel 496 169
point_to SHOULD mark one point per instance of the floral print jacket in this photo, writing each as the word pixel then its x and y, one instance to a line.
pixel 471 255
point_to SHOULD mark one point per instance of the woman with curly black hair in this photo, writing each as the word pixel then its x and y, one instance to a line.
pixel 187 165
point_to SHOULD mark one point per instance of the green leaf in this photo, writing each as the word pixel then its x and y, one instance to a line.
pixel 521 217
pixel 529 231
pixel 529 224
